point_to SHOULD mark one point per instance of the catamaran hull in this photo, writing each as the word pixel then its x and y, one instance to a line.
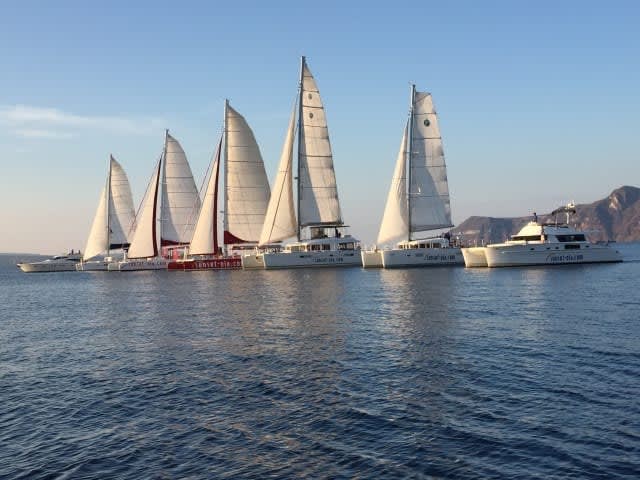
pixel 47 267
pixel 138 265
pixel 371 258
pixel 92 266
pixel 350 258
pixel 225 263
pixel 421 257
pixel 549 254
pixel 474 257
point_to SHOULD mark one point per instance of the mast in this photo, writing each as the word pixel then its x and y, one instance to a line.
pixel 302 62
pixel 225 155
pixel 409 155
pixel 161 186
pixel 109 206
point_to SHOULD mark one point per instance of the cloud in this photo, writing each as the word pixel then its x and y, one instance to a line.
pixel 38 122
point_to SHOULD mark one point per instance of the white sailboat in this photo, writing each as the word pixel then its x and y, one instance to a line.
pixel 172 192
pixel 246 195
pixel 418 199
pixel 318 223
pixel 113 222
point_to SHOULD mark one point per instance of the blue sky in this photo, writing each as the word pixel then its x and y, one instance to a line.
pixel 538 101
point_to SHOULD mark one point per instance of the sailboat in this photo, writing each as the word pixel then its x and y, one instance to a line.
pixel 246 195
pixel 172 192
pixel 113 222
pixel 418 199
pixel 318 225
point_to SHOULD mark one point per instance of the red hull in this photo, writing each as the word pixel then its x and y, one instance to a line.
pixel 224 263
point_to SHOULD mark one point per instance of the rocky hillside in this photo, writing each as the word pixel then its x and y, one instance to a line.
pixel 616 217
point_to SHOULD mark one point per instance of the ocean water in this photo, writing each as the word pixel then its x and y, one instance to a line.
pixel 422 373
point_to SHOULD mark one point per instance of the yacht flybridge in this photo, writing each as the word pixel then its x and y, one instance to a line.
pixel 551 243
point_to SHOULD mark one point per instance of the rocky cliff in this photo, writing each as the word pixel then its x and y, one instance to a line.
pixel 616 217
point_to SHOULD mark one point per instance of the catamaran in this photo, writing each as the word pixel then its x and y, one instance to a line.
pixel 172 192
pixel 113 222
pixel 418 199
pixel 318 225
pixel 543 243
pixel 246 195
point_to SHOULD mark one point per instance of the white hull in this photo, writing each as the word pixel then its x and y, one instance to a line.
pixel 421 257
pixel 348 258
pixel 40 267
pixel 474 257
pixel 92 266
pixel 253 262
pixel 549 254
pixel 371 258
pixel 137 265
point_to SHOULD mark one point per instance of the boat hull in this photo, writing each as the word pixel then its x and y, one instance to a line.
pixel 139 265
pixel 421 257
pixel 371 258
pixel 474 257
pixel 97 266
pixel 549 254
pixel 335 258
pixel 224 263
pixel 43 267
pixel 252 262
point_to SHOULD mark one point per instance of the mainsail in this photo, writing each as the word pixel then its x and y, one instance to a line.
pixel 317 191
pixel 115 216
pixel 395 219
pixel 247 189
pixel 205 234
pixel 429 206
pixel 280 219
pixel 179 195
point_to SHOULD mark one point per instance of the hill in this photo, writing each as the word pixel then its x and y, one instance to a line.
pixel 616 217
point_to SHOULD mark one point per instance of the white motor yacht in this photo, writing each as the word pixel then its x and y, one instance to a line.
pixel 544 244
pixel 59 263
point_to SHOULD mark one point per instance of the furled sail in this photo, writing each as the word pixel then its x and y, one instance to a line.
pixel 280 219
pixel 205 234
pixel 246 184
pixel 318 194
pixel 115 216
pixel 394 221
pixel 144 243
pixel 180 197
pixel 428 190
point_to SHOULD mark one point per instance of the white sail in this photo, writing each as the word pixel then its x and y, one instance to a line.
pixel 280 220
pixel 394 221
pixel 121 210
pixel 115 216
pixel 205 234
pixel 144 242
pixel 180 197
pixel 246 184
pixel 429 191
pixel 318 194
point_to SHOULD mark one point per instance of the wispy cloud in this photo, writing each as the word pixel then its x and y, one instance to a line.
pixel 38 122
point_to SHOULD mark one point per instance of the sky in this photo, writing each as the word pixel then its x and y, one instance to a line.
pixel 538 101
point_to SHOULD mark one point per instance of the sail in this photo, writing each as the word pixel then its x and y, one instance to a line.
pixel 246 184
pixel 318 194
pixel 114 216
pixel 144 243
pixel 394 221
pixel 280 220
pixel 121 211
pixel 429 191
pixel 205 234
pixel 180 197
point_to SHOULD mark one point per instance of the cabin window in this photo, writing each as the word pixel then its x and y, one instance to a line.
pixel 578 237
pixel 315 247
pixel 435 245
pixel 572 247
pixel 526 238
pixel 345 246
pixel 326 246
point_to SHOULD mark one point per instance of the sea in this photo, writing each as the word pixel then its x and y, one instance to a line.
pixel 515 373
